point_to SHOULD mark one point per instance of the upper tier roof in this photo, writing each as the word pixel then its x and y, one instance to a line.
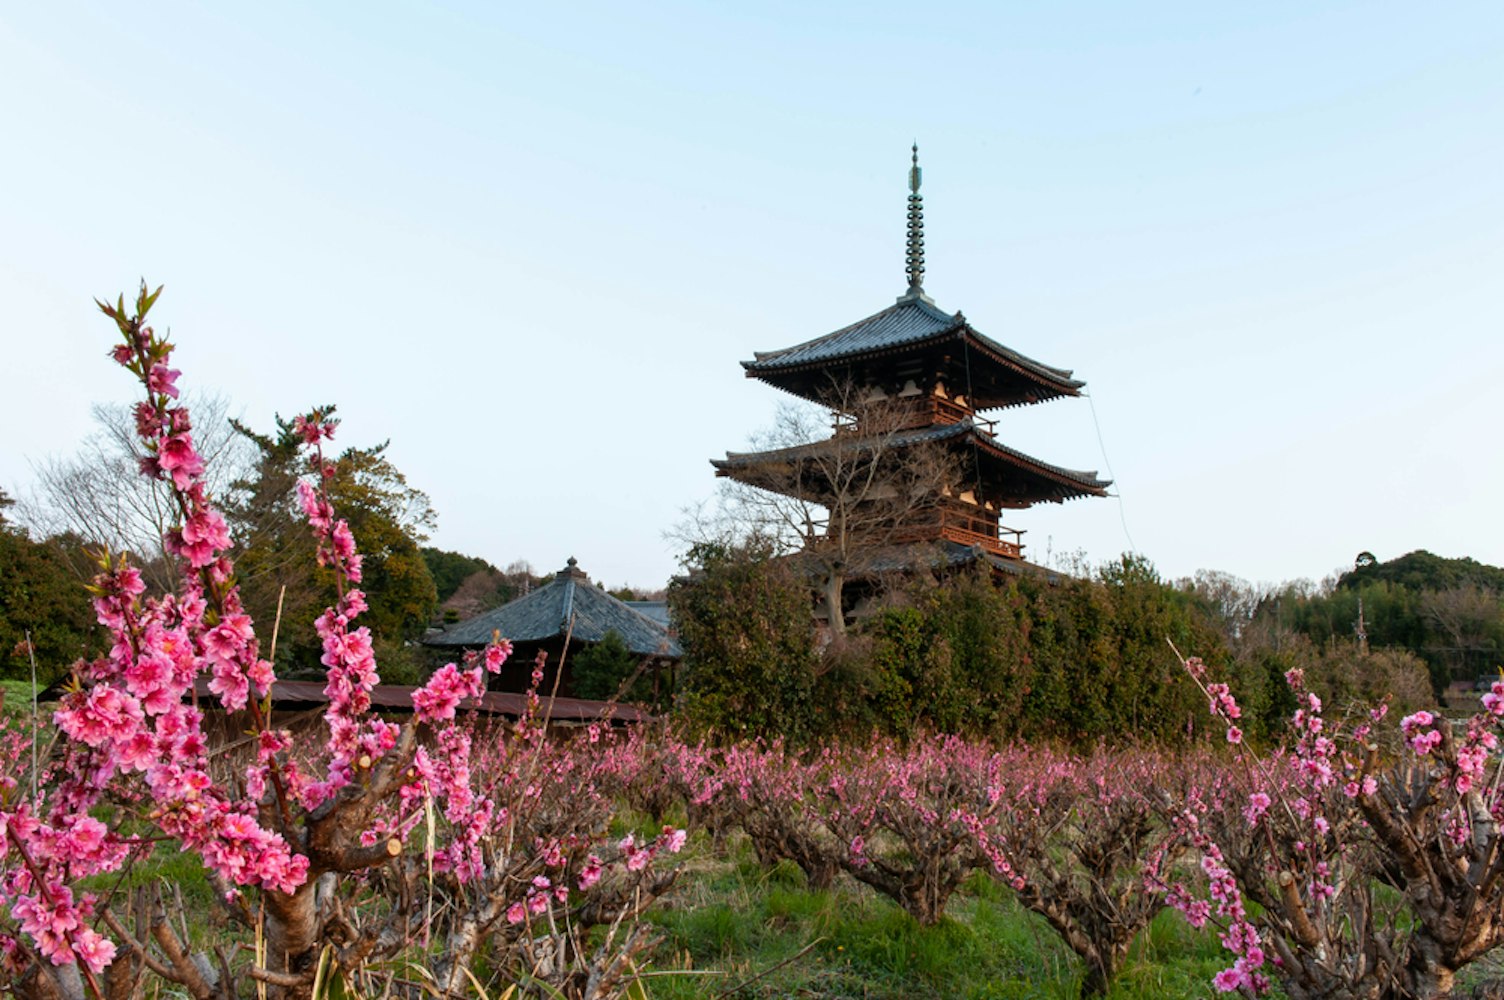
pixel 914 328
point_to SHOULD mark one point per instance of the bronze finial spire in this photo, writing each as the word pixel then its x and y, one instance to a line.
pixel 914 258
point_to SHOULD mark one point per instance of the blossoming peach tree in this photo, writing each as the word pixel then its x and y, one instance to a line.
pixel 1077 838
pixel 1313 831
pixel 287 841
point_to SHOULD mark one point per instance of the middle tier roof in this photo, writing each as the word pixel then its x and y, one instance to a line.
pixel 1004 475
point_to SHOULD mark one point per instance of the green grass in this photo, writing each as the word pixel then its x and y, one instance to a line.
pixel 171 870
pixel 17 698
pixel 729 923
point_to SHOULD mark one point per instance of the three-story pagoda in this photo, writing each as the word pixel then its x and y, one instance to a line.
pixel 929 373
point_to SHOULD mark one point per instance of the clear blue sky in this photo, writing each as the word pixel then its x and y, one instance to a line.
pixel 529 244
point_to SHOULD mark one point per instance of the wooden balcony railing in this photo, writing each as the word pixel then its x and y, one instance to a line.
pixel 989 543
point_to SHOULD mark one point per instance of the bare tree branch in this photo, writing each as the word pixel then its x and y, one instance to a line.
pixel 842 485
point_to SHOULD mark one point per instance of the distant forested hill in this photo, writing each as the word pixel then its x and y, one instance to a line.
pixel 1446 611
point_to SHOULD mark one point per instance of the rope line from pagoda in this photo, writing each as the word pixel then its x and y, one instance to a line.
pixel 971 398
pixel 1118 495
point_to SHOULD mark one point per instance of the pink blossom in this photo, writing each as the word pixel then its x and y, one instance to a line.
pixel 94 949
pixel 261 675
pixel 307 427
pixel 161 379
pixel 176 458
pixel 591 873
pixel 201 537
pixel 1228 980
pixel 496 654
pixel 1258 805
pixel 1418 720
pixel 229 637
pixel 437 700
pixel 314 509
pixel 103 713
pixel 230 684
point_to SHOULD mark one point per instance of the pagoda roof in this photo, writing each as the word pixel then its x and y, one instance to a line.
pixel 567 604
pixel 945 554
pixel 1033 481
pixel 999 375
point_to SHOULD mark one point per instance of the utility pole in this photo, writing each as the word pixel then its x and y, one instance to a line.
pixel 1361 628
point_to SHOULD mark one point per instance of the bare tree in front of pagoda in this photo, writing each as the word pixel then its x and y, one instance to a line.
pixel 845 485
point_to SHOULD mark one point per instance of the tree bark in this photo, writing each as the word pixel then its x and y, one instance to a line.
pixel 835 591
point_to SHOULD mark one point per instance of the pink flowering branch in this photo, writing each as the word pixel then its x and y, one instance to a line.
pixel 517 862
pixel 1077 839
pixel 1426 823
pixel 132 734
pixel 910 820
pixel 300 818
pixel 776 799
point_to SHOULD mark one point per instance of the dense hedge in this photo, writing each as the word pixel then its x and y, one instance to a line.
pixel 1071 660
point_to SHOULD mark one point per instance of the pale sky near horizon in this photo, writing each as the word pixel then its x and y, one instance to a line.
pixel 529 244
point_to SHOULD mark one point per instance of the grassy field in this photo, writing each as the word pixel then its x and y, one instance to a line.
pixel 17 697
pixel 732 929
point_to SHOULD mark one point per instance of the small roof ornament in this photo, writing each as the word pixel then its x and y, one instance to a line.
pixel 914 248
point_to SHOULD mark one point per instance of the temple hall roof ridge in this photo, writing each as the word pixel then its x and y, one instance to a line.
pixel 567 603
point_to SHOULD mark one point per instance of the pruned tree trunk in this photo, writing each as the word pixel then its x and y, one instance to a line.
pixel 834 588
pixel 292 937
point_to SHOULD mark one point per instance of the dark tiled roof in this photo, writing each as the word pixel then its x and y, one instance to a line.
pixel 656 610
pixel 907 321
pixel 546 613
pixel 946 554
pixel 397 697
pixel 910 321
pixel 1087 482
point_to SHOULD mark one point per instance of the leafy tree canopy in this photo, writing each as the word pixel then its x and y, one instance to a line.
pixel 389 518
pixel 450 569
pixel 749 655
pixel 39 597
pixel 600 670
